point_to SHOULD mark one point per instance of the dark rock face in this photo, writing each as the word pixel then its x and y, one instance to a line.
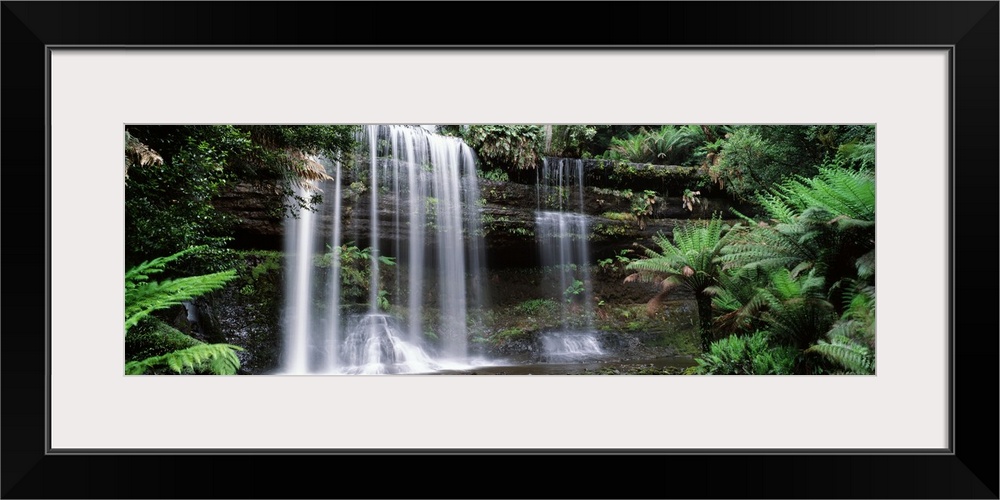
pixel 508 211
pixel 257 211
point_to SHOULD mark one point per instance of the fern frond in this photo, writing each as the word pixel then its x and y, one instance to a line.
pixel 142 271
pixel 839 191
pixel 216 359
pixel 138 154
pixel 144 298
pixel 777 208
pixel 856 358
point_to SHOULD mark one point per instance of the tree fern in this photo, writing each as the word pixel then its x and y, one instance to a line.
pixel 794 308
pixel 687 261
pixel 737 300
pixel 216 359
pixel 690 257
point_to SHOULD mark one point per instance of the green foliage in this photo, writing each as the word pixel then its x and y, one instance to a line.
pixel 814 249
pixel 170 198
pixel 537 306
pixel 755 157
pixel 355 271
pixel 847 196
pixel 573 291
pixel 668 145
pixel 271 263
pixel 746 355
pixel 601 141
pixel 610 230
pixel 632 148
pixel 620 259
pixel 850 343
pixel 619 216
pixel 571 141
pixel 673 145
pixel 854 357
pixel 168 204
pixel 637 176
pixel 450 130
pixel 749 163
pixel 826 223
pixel 737 300
pixel 714 137
pixel 508 335
pixel 792 308
pixel 357 188
pixel 329 140
pixel 795 309
pixel 153 337
pixel 506 225
pixel 215 359
pixel 688 260
pixel 382 299
pixel 142 296
pixel 860 156
pixel 506 147
pixel 496 175
pixel 640 204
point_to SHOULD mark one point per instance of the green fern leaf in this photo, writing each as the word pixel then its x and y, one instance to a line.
pixel 144 298
pixel 216 359
pixel 855 357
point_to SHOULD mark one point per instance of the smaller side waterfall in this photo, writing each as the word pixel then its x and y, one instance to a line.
pixel 562 230
pixel 571 346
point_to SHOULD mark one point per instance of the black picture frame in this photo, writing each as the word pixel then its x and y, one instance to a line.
pixel 968 470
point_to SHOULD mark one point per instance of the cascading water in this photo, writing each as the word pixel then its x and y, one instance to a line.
pixel 571 346
pixel 300 244
pixel 562 236
pixel 424 231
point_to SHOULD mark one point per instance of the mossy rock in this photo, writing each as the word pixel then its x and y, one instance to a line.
pixel 154 337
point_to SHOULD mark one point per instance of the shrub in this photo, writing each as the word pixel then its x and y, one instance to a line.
pixel 506 147
pixel 746 355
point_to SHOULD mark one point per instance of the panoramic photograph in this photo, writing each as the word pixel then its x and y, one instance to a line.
pixel 472 249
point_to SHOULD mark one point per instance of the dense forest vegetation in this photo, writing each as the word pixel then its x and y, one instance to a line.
pixel 786 286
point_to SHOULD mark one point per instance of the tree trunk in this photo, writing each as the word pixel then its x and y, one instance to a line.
pixel 705 317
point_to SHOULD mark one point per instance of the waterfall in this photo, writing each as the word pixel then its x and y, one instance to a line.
pixel 299 251
pixel 424 258
pixel 561 229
